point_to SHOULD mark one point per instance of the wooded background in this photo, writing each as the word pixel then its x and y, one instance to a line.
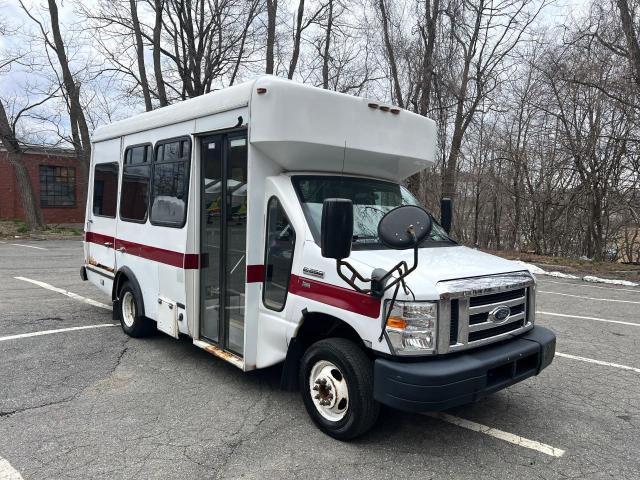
pixel 537 118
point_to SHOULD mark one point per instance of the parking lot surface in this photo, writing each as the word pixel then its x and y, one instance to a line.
pixel 93 403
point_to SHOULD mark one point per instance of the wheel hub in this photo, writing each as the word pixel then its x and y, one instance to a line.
pixel 128 309
pixel 329 390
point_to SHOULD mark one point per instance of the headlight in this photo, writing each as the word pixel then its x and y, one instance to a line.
pixel 412 327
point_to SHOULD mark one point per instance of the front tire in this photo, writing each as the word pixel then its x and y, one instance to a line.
pixel 336 381
pixel 130 306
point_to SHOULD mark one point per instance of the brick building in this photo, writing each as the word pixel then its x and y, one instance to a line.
pixel 57 181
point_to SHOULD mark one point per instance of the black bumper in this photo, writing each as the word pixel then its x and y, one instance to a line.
pixel 448 381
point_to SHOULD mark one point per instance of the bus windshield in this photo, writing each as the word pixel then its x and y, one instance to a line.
pixel 371 200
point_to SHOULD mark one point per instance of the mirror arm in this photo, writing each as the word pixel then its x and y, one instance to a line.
pixel 402 269
pixel 354 275
pixel 399 267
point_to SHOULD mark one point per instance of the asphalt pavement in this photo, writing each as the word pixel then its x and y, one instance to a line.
pixel 90 402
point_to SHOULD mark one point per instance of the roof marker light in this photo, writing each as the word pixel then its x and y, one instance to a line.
pixel 373 105
pixel 261 90
pixel 384 108
pixel 395 111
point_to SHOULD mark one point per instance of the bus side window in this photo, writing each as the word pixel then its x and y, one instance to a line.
pixel 134 195
pixel 281 240
pixel 105 189
pixel 170 183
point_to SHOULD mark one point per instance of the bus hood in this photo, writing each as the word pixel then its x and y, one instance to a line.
pixel 434 265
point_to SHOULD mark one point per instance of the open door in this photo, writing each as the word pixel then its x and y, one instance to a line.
pixel 223 239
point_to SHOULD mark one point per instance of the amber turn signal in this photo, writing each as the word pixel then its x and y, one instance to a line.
pixel 397 322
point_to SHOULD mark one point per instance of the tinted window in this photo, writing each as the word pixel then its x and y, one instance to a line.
pixel 105 189
pixel 170 183
pixel 281 240
pixel 136 173
pixel 57 186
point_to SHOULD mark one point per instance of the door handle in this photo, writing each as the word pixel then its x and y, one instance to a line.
pixel 122 250
pixel 108 244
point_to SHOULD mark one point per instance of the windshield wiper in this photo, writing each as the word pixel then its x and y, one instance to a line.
pixel 357 238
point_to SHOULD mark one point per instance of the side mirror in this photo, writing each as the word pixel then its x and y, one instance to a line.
pixel 404 227
pixel 336 230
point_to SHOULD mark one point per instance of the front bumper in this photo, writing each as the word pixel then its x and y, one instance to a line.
pixel 445 382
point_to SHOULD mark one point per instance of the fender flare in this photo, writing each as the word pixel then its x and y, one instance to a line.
pixel 122 273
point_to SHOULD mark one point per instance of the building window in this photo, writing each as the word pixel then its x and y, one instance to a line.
pixel 170 185
pixel 281 240
pixel 134 195
pixel 57 186
pixel 105 190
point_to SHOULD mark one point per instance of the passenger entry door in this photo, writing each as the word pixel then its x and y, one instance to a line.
pixel 100 228
pixel 223 239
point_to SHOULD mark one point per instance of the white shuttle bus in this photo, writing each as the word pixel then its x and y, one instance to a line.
pixel 268 222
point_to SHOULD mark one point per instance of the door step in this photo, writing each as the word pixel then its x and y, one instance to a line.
pixel 220 353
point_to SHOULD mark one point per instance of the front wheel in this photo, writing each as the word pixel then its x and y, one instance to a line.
pixel 336 379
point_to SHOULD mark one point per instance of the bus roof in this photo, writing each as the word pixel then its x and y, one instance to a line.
pixel 301 127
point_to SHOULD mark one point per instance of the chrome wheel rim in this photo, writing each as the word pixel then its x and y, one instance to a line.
pixel 128 309
pixel 329 391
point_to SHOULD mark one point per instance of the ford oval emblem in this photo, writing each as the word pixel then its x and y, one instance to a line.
pixel 499 314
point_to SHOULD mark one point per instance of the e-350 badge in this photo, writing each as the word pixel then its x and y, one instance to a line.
pixel 313 272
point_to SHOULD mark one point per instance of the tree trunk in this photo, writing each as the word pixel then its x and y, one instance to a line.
pixel 32 212
pixel 631 38
pixel 429 39
pixel 392 58
pixel 296 41
pixel 327 44
pixel 140 54
pixel 157 66
pixel 272 11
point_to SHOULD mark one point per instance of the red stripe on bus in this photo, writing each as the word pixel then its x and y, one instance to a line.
pixel 343 298
pixel 99 238
pixel 188 261
pixel 160 255
pixel 255 273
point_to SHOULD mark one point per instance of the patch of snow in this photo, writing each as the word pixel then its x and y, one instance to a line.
pixel 531 267
pixel 588 278
pixel 609 281
pixel 539 271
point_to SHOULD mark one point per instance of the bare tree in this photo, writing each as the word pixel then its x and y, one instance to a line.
pixel 80 138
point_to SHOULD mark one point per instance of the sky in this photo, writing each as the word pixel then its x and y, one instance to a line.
pixel 12 83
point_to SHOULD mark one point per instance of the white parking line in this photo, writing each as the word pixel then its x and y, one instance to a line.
pixel 584 284
pixel 500 434
pixel 57 330
pixel 7 472
pixel 598 362
pixel 589 318
pixel 69 294
pixel 28 246
pixel 588 298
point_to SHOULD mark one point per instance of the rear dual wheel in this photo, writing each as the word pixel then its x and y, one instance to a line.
pixel 336 380
pixel 132 321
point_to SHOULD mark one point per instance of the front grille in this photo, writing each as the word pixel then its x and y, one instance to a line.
pixel 469 306
pixel 496 297
pixel 492 332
